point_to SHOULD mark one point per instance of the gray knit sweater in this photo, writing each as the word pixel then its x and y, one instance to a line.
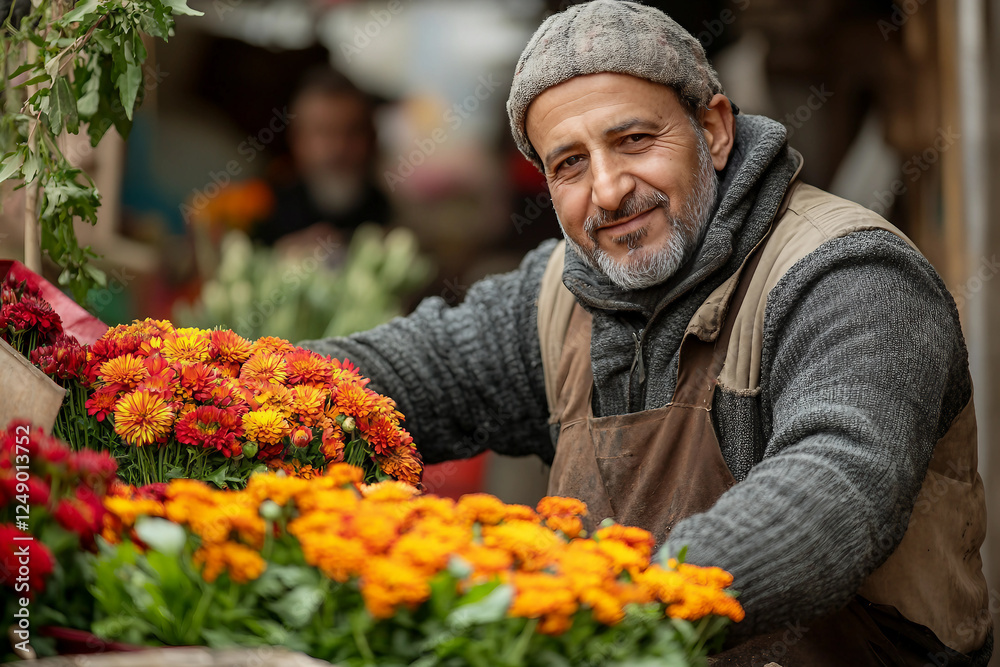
pixel 864 367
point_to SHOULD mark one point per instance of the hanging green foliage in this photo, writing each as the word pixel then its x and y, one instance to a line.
pixel 71 68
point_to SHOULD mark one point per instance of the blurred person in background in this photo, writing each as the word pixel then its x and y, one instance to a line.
pixel 333 146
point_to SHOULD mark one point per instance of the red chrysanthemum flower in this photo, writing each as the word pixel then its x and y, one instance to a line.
pixel 39 564
pixel 102 403
pixel 382 434
pixel 33 313
pixel 195 382
pixel 37 490
pixel 211 428
pixel 95 469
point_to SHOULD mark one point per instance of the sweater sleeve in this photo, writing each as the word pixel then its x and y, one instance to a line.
pixel 467 377
pixel 864 368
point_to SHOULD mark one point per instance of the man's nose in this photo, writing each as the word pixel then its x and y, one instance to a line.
pixel 611 182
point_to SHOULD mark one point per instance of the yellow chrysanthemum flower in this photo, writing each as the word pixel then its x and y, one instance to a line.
pixel 189 347
pixel 127 370
pixel 141 418
pixel 265 426
pixel 264 367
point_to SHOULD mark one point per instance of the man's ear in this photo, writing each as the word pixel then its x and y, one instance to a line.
pixel 719 127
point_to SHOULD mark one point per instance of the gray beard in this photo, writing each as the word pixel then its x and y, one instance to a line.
pixel 644 267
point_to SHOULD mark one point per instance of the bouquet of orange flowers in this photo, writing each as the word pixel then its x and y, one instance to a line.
pixel 213 405
pixel 208 404
pixel 376 574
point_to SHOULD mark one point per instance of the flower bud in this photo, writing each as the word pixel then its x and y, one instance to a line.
pixel 348 425
pixel 250 449
pixel 301 437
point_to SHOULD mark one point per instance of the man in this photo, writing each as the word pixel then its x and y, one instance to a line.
pixel 736 361
pixel 332 142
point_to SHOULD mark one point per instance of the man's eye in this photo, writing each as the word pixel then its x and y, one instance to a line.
pixel 571 160
pixel 636 138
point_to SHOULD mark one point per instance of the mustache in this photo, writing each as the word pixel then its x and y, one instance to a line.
pixel 633 204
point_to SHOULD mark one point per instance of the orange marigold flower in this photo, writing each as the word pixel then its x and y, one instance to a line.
pixel 333 444
pixel 142 418
pixel 483 508
pixel 539 594
pixel 387 584
pixel 637 538
pixel 123 372
pixel 353 399
pixel 308 403
pixel 272 396
pixel 429 547
pixel 342 474
pixel 227 347
pixel 388 491
pixel 271 344
pixel 520 513
pixel 559 506
pixel 128 510
pixel 339 558
pixel 486 561
pixel 266 486
pixel 403 463
pixel 570 526
pixel 264 366
pixel 623 557
pixel 714 577
pixel 555 625
pixel 266 427
pixel 243 563
pixel 605 607
pixel 533 545
pixel 308 368
pixel 375 527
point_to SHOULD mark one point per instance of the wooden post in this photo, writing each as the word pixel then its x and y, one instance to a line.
pixel 32 230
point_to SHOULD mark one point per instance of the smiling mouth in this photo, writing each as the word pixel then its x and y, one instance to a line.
pixel 628 225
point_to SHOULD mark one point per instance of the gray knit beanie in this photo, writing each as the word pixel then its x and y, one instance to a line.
pixel 608 36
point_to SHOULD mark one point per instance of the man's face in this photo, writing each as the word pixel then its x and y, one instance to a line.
pixel 331 134
pixel 630 174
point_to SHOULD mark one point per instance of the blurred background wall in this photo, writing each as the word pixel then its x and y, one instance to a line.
pixel 893 104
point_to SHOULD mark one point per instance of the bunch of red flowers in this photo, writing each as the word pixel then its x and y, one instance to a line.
pixel 26 319
pixel 44 482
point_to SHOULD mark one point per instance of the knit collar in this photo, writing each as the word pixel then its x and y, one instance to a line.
pixel 756 176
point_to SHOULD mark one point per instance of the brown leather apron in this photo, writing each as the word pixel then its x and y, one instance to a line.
pixel 653 468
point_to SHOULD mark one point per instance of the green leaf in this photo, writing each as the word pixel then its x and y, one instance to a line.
pixel 82 9
pixel 11 164
pixel 180 8
pixel 297 607
pixel 490 609
pixel 160 534
pixel 30 167
pixel 128 86
pixel 34 80
pixel 67 102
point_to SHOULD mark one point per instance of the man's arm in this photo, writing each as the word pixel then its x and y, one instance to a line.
pixel 864 367
pixel 467 377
